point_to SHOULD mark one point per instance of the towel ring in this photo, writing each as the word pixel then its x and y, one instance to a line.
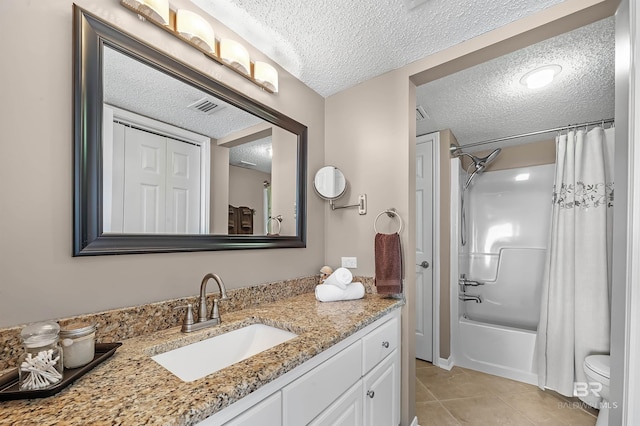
pixel 278 221
pixel 391 213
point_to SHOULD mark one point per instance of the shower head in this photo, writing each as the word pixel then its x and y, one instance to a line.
pixel 486 160
pixel 479 163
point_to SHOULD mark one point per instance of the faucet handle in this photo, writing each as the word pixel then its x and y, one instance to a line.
pixel 215 314
pixel 188 318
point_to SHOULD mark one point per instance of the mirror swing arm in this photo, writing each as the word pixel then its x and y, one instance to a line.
pixel 362 205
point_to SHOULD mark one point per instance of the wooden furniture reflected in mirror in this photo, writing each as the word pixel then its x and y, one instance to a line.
pixel 241 220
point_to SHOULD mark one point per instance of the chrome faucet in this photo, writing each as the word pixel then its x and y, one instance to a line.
pixel 470 297
pixel 463 282
pixel 189 325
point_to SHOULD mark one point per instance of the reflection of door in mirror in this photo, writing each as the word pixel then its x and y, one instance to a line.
pixel 154 177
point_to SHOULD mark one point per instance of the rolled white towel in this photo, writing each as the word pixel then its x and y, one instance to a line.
pixel 330 293
pixel 340 278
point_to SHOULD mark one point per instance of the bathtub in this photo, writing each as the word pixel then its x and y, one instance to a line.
pixel 508 214
pixel 496 349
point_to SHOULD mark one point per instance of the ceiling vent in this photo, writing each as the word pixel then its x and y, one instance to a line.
pixel 206 106
pixel 421 114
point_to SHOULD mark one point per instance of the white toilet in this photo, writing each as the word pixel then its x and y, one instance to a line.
pixel 597 369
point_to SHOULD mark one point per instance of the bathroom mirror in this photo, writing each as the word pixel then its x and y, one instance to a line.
pixel 330 183
pixel 167 159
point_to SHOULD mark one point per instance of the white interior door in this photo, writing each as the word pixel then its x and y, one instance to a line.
pixel 145 182
pixel 183 188
pixel 424 247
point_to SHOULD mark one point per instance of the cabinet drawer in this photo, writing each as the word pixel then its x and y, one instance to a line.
pixel 378 344
pixel 309 395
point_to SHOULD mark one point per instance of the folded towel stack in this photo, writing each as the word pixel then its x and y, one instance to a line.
pixel 338 286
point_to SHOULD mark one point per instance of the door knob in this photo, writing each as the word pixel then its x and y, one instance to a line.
pixel 424 264
pixel 371 394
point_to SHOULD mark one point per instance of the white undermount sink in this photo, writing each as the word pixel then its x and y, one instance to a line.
pixel 199 359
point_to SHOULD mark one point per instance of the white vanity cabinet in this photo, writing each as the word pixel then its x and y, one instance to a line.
pixel 267 412
pixel 381 390
pixel 354 383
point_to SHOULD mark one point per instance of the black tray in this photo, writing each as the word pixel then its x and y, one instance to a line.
pixel 9 382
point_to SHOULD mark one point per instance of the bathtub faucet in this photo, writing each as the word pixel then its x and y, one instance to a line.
pixel 470 297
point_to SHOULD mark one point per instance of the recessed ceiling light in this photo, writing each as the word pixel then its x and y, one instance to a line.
pixel 540 77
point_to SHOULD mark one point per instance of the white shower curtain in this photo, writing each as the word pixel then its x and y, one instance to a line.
pixel 575 308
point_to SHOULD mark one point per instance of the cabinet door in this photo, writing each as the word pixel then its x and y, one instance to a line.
pixel 308 396
pixel 382 393
pixel 267 412
pixel 346 411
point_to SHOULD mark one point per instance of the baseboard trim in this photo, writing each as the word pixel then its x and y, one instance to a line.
pixel 446 363
pixel 415 421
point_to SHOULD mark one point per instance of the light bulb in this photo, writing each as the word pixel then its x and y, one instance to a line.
pixel 540 77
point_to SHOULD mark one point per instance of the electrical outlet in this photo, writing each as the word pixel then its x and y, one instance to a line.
pixel 350 262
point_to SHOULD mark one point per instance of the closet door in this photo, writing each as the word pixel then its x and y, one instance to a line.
pixel 144 182
pixel 182 188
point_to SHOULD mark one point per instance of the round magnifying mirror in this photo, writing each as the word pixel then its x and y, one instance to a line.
pixel 330 183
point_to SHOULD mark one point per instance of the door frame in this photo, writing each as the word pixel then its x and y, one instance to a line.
pixel 435 232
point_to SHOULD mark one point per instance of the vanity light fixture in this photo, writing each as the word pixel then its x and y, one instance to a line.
pixel 235 55
pixel 266 74
pixel 156 11
pixel 540 77
pixel 196 30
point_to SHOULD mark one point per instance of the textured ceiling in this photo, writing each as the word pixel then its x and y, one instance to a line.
pixel 133 86
pixel 332 45
pixel 258 153
pixel 487 101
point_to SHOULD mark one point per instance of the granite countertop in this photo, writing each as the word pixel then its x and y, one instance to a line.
pixel 131 389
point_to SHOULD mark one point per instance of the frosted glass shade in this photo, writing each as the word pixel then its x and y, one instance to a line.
pixel 540 77
pixel 156 10
pixel 196 29
pixel 266 75
pixel 235 55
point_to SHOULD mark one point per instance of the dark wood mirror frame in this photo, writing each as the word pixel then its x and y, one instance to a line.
pixel 89 37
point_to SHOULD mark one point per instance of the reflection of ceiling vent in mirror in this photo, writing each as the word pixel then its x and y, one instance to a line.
pixel 206 106
pixel 421 114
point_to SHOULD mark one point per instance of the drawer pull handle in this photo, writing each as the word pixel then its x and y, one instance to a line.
pixel 371 394
pixel 385 344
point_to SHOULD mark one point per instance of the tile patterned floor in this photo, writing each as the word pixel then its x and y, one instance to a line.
pixel 467 397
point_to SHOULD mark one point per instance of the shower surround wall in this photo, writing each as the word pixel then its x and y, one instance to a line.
pixel 507 215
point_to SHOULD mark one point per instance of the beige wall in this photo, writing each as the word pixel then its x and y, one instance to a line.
pixel 39 279
pixel 512 157
pixel 246 189
pixel 219 188
pixel 375 147
pixel 283 180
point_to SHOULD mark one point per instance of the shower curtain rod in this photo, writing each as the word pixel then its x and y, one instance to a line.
pixel 540 132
